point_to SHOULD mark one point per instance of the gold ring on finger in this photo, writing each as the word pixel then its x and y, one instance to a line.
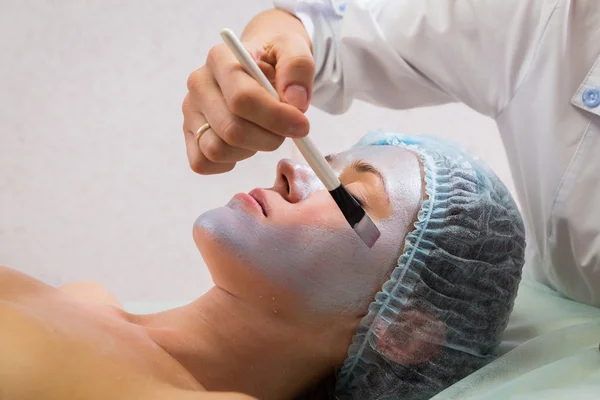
pixel 200 131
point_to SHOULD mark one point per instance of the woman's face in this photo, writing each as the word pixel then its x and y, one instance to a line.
pixel 290 245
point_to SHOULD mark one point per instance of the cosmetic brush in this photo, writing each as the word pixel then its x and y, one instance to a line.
pixel 352 210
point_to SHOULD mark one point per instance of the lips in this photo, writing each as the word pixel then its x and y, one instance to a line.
pixel 259 196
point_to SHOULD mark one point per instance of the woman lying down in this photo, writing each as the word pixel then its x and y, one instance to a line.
pixel 301 308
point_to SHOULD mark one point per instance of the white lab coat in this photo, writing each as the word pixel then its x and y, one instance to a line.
pixel 532 65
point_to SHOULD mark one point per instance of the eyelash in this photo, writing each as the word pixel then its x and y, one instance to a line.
pixel 360 164
pixel 358 200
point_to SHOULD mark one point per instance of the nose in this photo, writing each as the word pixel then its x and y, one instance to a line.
pixel 295 181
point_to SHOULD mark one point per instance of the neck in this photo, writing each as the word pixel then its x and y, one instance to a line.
pixel 230 345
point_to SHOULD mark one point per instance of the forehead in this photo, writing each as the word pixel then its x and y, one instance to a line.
pixel 384 158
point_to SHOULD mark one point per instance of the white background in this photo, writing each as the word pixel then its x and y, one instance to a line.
pixel 94 180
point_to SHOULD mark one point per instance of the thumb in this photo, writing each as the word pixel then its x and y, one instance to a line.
pixel 294 70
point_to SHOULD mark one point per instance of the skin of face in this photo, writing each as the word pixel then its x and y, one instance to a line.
pixel 290 248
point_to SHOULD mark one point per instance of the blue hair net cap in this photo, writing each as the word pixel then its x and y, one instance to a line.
pixel 441 314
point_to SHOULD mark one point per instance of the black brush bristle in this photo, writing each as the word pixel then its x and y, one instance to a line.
pixel 355 215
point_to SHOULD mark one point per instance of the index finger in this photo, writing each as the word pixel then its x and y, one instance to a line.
pixel 247 99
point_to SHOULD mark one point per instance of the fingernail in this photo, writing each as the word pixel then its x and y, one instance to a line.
pixel 297 130
pixel 297 96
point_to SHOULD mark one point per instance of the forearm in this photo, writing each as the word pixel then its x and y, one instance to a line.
pixel 270 23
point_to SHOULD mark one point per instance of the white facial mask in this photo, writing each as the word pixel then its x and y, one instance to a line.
pixel 329 268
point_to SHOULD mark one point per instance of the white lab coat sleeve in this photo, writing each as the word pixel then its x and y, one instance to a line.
pixel 410 53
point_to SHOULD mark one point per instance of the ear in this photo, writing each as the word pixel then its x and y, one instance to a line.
pixel 415 337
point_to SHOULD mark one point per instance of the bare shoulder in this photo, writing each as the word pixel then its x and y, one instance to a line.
pixel 21 349
pixel 220 396
pixel 91 292
pixel 7 274
pixel 13 283
pixel 21 333
pixel 178 394
pixel 227 396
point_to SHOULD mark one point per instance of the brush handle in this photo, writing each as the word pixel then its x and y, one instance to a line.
pixel 309 151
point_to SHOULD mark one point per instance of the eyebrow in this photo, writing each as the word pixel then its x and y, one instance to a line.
pixel 361 166
pixel 364 167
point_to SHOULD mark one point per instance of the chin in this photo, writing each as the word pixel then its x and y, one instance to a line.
pixel 224 236
pixel 223 229
pixel 209 222
pixel 208 227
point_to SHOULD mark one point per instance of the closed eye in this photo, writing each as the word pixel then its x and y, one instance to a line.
pixel 358 200
pixel 361 167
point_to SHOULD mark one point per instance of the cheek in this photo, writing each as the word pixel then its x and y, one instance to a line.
pixel 323 262
pixel 391 241
pixel 335 271
pixel 319 211
pixel 348 276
